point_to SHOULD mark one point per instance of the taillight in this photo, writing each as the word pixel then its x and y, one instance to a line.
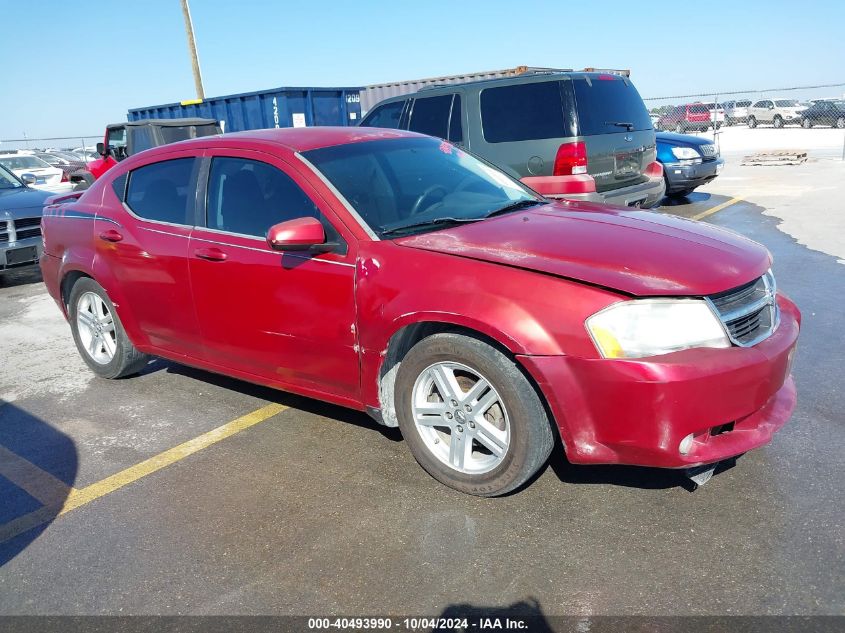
pixel 571 159
pixel 64 177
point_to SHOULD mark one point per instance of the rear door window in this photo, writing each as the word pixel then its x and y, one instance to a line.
pixel 524 112
pixel 386 115
pixel 430 115
pixel 164 191
pixel 607 101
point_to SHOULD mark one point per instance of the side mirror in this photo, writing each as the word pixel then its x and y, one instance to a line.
pixel 29 179
pixel 101 149
pixel 300 234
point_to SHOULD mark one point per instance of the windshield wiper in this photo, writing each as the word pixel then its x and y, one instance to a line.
pixel 514 206
pixel 427 223
pixel 625 124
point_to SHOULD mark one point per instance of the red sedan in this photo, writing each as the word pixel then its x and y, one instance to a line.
pixel 397 274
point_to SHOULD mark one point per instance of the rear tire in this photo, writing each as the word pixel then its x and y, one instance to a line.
pixel 486 407
pixel 777 121
pixel 98 333
pixel 752 122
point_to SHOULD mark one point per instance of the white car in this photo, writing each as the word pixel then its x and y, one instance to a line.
pixel 778 112
pixel 36 173
pixel 736 111
pixel 87 154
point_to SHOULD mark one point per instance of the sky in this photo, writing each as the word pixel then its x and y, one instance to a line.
pixel 72 67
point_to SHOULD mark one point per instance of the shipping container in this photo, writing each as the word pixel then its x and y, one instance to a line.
pixel 371 95
pixel 278 107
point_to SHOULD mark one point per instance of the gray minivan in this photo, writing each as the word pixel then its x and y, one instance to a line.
pixel 537 126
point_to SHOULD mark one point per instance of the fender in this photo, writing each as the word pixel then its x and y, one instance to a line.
pixel 104 276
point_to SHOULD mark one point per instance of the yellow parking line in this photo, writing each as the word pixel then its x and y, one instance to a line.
pixel 716 209
pixel 37 482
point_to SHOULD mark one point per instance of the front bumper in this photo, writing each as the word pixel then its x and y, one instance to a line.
pixel 637 411
pixel 683 177
pixel 20 253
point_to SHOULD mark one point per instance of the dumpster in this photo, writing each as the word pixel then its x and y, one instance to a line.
pixel 277 107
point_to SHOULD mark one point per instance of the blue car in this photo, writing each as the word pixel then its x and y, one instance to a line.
pixel 688 162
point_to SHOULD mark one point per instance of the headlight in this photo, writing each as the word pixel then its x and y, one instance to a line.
pixel 648 327
pixel 685 153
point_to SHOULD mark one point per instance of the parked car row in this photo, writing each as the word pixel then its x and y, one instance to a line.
pixel 777 112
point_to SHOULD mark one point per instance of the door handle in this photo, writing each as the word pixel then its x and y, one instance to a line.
pixel 110 235
pixel 210 254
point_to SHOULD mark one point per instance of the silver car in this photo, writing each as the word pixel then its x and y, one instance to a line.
pixel 777 112
pixel 736 111
pixel 20 222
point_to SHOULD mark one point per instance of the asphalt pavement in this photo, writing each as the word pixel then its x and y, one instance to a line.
pixel 307 508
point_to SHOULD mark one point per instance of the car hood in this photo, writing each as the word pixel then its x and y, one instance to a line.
pixel 682 140
pixel 21 202
pixel 640 253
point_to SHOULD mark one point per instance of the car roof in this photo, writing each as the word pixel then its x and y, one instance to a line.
pixel 164 122
pixel 300 139
pixel 528 77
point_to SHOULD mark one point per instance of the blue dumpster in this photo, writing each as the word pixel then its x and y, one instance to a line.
pixel 278 107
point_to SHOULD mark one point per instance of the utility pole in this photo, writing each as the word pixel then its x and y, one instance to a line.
pixel 192 49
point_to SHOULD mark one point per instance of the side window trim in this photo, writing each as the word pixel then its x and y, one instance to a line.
pixel 192 182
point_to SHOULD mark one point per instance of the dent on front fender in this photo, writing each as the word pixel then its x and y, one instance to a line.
pixel 524 311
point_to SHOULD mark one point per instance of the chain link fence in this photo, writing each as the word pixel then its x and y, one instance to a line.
pixel 798 117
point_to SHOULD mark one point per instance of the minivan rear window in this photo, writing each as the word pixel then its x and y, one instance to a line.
pixel 523 112
pixel 603 103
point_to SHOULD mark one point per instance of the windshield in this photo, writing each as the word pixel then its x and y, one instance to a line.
pixel 786 103
pixel 23 162
pixel 396 183
pixel 7 180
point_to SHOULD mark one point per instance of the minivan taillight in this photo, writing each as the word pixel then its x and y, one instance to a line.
pixel 571 159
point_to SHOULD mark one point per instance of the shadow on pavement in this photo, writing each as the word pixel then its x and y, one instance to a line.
pixel 20 276
pixel 526 613
pixel 28 444
pixel 695 197
pixel 309 405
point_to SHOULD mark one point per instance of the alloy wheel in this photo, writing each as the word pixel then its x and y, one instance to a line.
pixel 95 324
pixel 461 417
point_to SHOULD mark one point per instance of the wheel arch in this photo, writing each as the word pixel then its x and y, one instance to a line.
pixel 409 334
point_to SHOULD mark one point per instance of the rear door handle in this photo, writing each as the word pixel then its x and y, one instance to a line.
pixel 210 254
pixel 110 235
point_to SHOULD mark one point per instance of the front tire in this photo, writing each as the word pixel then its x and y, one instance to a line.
pixel 98 333
pixel 778 121
pixel 470 417
pixel 679 128
pixel 840 122
pixel 806 124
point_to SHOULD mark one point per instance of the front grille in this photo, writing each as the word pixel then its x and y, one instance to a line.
pixel 708 150
pixel 27 227
pixel 750 312
pixel 4 231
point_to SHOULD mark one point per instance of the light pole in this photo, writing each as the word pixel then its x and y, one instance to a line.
pixel 192 49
